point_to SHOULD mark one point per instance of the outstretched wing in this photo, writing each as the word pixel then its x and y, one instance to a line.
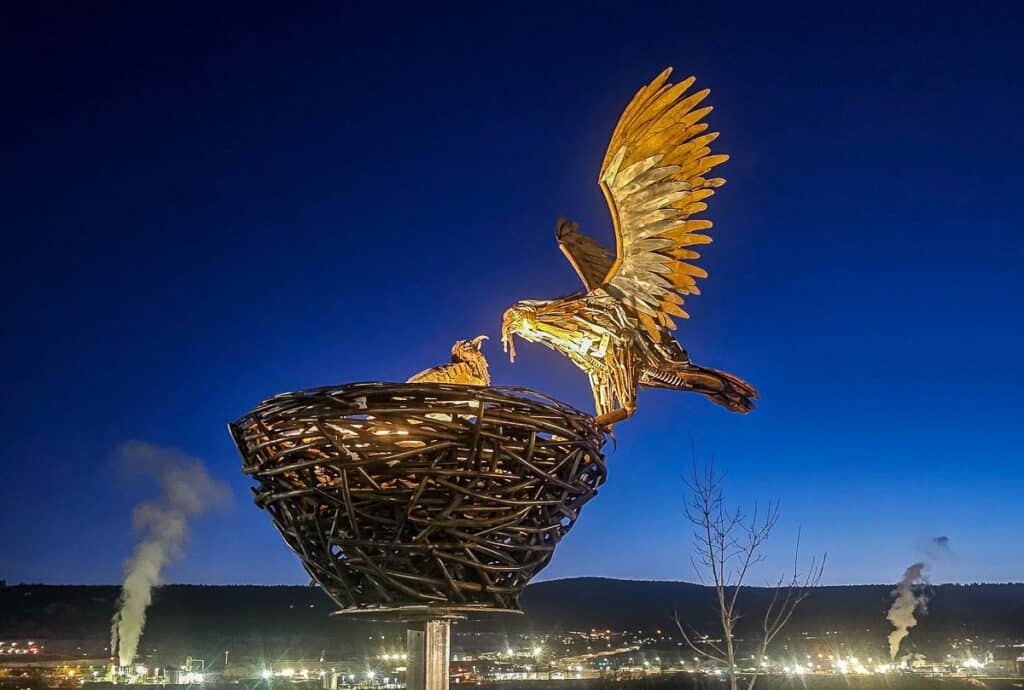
pixel 654 178
pixel 588 256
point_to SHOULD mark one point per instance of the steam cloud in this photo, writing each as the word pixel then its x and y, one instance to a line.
pixel 908 601
pixel 188 490
pixel 938 549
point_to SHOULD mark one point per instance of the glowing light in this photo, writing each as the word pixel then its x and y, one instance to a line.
pixel 850 665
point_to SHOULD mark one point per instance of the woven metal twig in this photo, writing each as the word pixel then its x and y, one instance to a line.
pixel 400 496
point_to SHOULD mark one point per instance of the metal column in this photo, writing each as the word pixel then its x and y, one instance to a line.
pixel 429 645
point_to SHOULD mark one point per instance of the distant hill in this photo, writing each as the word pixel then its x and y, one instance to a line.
pixel 293 618
pixel 979 609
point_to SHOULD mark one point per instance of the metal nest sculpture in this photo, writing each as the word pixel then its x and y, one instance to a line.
pixel 421 498
pixel 443 495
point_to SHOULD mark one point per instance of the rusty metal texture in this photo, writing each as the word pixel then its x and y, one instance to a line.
pixel 436 498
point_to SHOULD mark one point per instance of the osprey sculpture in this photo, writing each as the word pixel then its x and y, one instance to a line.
pixel 655 179
pixel 468 366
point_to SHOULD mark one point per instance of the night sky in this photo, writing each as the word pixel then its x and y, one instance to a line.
pixel 204 207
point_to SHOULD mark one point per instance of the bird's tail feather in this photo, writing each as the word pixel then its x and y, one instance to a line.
pixel 721 387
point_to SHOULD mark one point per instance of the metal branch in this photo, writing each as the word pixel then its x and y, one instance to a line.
pixel 444 496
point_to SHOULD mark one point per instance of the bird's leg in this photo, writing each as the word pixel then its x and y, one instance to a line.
pixel 604 399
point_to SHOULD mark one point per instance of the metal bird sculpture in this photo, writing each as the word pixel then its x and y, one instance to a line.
pixel 468 366
pixel 619 330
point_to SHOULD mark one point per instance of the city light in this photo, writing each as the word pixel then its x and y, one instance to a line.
pixel 621 655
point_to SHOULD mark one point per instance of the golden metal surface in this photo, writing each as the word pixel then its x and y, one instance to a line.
pixel 468 366
pixel 655 180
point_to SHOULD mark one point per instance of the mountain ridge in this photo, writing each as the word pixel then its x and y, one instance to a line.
pixel 296 616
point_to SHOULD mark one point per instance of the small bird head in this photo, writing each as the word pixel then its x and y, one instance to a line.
pixel 520 319
pixel 468 350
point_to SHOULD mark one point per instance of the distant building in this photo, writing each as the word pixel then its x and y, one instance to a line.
pixel 1009 659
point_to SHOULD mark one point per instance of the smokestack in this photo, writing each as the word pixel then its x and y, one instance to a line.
pixel 908 601
pixel 188 490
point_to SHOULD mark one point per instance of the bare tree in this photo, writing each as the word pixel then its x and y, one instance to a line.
pixel 727 544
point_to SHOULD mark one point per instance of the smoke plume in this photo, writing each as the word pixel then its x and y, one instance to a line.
pixel 938 550
pixel 188 490
pixel 910 598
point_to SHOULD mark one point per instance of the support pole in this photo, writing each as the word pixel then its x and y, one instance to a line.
pixel 429 644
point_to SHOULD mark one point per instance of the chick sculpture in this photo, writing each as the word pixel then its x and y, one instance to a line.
pixel 655 179
pixel 468 366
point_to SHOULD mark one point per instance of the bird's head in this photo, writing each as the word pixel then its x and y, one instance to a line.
pixel 520 319
pixel 468 350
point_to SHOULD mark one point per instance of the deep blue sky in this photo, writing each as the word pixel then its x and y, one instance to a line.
pixel 203 207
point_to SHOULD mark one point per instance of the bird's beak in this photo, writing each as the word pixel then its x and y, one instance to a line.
pixel 478 341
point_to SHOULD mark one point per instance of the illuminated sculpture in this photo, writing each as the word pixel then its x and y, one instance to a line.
pixel 655 180
pixel 468 366
pixel 442 496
